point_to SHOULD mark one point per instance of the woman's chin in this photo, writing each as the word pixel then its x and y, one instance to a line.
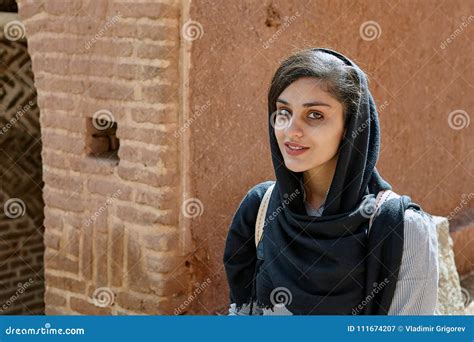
pixel 295 167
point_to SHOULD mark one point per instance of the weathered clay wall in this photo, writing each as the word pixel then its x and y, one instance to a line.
pixel 416 75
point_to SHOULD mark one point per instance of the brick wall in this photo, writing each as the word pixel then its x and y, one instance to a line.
pixel 107 76
pixel 21 213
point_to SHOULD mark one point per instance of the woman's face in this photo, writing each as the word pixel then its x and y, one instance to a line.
pixel 307 116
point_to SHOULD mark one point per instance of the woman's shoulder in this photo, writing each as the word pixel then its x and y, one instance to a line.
pixel 420 240
pixel 250 203
pixel 243 222
pixel 420 266
pixel 419 221
pixel 255 194
pixel 419 227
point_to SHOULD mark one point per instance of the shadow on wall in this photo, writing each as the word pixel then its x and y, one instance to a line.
pixel 21 217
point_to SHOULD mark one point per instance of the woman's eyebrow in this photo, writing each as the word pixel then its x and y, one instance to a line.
pixel 309 104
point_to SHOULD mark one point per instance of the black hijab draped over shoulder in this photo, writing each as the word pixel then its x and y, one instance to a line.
pixel 328 265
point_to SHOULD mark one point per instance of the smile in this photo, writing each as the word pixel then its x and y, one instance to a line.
pixel 295 149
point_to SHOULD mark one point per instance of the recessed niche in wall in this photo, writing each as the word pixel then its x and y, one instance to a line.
pixel 102 141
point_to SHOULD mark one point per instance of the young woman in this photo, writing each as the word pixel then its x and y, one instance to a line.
pixel 317 255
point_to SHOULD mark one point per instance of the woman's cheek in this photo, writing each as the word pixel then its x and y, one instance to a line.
pixel 279 138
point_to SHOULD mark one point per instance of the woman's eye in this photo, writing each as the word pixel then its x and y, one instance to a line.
pixel 316 115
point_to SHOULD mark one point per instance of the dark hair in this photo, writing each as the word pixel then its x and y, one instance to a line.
pixel 338 79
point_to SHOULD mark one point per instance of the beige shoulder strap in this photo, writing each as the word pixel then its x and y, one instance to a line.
pixel 382 196
pixel 262 211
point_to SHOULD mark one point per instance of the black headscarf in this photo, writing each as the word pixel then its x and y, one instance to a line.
pixel 329 265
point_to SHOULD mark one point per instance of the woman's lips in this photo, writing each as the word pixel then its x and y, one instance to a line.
pixel 295 150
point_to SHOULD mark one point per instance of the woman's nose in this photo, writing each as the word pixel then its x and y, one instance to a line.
pixel 294 128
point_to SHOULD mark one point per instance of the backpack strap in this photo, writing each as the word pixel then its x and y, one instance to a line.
pixel 382 197
pixel 262 212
